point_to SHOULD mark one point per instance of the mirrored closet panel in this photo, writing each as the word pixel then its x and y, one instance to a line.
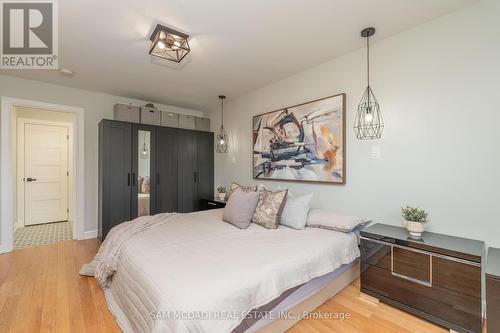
pixel 144 173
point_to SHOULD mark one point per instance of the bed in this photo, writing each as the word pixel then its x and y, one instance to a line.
pixel 196 273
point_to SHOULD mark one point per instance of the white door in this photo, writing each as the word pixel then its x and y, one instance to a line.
pixel 45 174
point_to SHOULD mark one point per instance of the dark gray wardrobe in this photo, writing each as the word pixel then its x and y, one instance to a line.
pixel 145 170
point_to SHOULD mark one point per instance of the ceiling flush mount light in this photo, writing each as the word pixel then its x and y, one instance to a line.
pixel 222 138
pixel 169 44
pixel 368 124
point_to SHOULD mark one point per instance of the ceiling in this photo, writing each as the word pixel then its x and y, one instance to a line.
pixel 236 46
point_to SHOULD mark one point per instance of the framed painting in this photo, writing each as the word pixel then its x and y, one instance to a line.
pixel 305 142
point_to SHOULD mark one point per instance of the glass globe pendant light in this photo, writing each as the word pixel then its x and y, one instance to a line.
pixel 368 123
pixel 222 138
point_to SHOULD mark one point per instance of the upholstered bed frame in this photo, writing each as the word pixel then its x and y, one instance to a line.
pixel 333 284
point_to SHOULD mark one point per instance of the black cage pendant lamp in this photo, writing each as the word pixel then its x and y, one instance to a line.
pixel 222 138
pixel 368 123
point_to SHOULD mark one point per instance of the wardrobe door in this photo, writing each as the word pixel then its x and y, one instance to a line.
pixel 186 171
pixel 205 166
pixel 143 170
pixel 166 170
pixel 114 174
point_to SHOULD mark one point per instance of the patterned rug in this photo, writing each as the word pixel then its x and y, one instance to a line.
pixel 42 234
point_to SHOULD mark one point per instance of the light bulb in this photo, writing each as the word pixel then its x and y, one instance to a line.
pixel 368 117
pixel 177 43
pixel 221 141
pixel 161 44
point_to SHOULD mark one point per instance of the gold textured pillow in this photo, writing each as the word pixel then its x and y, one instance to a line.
pixel 234 186
pixel 269 208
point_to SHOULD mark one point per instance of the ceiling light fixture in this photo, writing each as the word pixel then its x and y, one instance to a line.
pixel 169 44
pixel 368 124
pixel 222 137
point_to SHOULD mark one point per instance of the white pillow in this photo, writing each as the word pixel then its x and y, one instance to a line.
pixel 335 221
pixel 295 212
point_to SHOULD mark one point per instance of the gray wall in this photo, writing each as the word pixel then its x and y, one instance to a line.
pixel 97 106
pixel 438 87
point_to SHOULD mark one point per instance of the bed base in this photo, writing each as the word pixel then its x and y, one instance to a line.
pixel 313 302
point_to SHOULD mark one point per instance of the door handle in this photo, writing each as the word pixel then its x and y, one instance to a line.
pixel 29 179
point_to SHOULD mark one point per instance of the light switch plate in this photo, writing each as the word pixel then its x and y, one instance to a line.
pixel 375 152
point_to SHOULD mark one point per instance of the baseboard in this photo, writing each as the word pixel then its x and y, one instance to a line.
pixel 89 234
pixel 5 249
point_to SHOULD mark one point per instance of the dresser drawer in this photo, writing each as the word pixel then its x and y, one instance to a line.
pixel 493 286
pixel 440 303
pixel 376 254
pixel 405 263
pixel 411 264
pixel 493 304
pixel 458 276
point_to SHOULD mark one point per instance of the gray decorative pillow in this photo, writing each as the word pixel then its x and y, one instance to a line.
pixel 269 208
pixel 240 208
pixel 234 186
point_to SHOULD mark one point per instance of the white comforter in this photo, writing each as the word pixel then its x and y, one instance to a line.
pixel 195 273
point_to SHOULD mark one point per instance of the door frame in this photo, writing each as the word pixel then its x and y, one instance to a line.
pixel 7 166
pixel 21 122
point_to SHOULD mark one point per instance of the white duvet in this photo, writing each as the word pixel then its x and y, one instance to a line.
pixel 196 273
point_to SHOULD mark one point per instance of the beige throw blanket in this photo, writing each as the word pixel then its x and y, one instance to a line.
pixel 105 262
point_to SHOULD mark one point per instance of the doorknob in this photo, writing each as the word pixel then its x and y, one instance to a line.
pixel 29 179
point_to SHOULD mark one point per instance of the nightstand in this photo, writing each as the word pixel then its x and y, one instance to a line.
pixel 493 290
pixel 437 278
pixel 214 203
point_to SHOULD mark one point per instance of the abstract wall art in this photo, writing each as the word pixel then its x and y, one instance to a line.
pixel 305 142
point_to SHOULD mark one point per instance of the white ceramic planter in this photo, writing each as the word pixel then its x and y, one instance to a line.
pixel 415 228
pixel 222 196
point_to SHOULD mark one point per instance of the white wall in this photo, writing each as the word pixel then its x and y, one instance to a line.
pixel 438 87
pixel 97 106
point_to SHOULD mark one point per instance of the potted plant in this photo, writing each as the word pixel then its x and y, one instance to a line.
pixel 415 220
pixel 222 192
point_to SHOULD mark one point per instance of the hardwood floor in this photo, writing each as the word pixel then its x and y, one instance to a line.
pixel 41 291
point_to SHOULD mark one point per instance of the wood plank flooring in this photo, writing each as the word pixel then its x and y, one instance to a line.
pixel 41 291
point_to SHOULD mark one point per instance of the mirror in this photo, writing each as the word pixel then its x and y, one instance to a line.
pixel 143 176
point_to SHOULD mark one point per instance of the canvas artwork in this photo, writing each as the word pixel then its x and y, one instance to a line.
pixel 305 142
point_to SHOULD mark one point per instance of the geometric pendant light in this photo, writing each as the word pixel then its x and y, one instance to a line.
pixel 368 123
pixel 222 137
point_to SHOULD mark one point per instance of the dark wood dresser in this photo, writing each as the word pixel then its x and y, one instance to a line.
pixel 493 290
pixel 437 278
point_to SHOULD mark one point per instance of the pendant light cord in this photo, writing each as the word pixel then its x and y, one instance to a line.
pixel 222 112
pixel 368 60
